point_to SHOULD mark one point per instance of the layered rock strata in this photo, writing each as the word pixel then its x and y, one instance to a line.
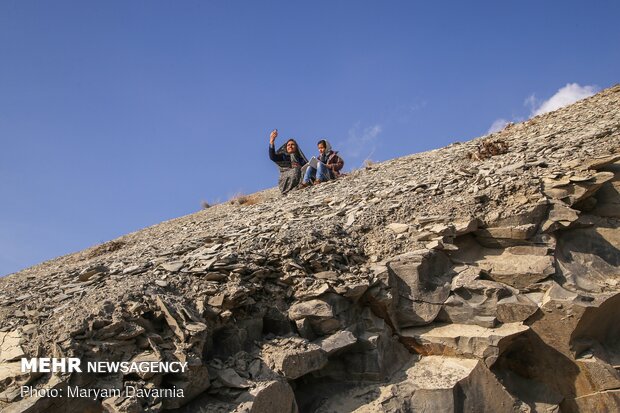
pixel 460 279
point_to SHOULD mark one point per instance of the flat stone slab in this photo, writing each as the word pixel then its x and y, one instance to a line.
pixel 11 372
pixel 460 339
pixel 515 308
pixel 337 342
pixel 268 397
pixel 10 346
pixel 293 357
pixel 440 373
pixel 398 228
pixel 431 384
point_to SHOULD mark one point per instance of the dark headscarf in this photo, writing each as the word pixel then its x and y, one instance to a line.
pixel 291 158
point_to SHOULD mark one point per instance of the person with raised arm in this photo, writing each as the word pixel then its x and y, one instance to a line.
pixel 290 159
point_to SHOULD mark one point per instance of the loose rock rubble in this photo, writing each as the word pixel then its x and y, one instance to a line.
pixel 441 281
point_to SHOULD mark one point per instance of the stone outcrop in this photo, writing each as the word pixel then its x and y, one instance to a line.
pixel 463 340
pixel 484 276
pixel 430 384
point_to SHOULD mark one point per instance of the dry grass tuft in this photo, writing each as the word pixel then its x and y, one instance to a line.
pixel 106 247
pixel 368 163
pixel 241 199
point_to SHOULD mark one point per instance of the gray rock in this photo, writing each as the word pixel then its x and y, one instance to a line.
pixel 321 314
pixel 420 285
pixel 474 302
pixel 462 339
pixel 173 266
pixel 268 397
pixel 560 217
pixel 517 270
pixel 470 377
pixel 398 228
pixel 326 275
pixel 375 356
pixel 230 378
pixel 10 346
pixel 505 236
pixel 431 384
pixel 161 283
pixel 121 405
pixel 608 196
pixel 586 258
pixel 134 269
pixel 193 382
pixel 465 227
pixel 11 374
pixel 217 300
pixel 337 342
pixel 293 358
pixel 574 192
pixel 90 272
pixel 515 308
pixel 39 403
pixel 146 357
pixel 170 319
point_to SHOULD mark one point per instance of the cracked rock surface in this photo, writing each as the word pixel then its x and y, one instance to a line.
pixel 483 276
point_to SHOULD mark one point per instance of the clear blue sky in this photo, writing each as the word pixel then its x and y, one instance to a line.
pixel 117 115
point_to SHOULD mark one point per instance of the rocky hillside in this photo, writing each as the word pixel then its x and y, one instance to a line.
pixel 483 276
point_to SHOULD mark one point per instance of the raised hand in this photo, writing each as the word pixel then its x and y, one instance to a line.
pixel 273 136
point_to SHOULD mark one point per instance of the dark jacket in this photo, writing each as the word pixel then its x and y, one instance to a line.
pixel 286 160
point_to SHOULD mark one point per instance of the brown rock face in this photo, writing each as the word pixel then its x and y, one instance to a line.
pixel 484 276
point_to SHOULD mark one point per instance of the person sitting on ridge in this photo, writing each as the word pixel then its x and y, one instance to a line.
pixel 328 166
pixel 289 159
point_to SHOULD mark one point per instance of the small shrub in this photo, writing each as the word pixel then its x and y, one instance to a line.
pixel 107 247
pixel 488 148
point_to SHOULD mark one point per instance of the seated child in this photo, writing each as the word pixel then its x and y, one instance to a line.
pixel 328 166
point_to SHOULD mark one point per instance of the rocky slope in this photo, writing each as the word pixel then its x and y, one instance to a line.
pixel 483 276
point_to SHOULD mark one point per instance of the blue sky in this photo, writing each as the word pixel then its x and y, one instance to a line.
pixel 117 115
